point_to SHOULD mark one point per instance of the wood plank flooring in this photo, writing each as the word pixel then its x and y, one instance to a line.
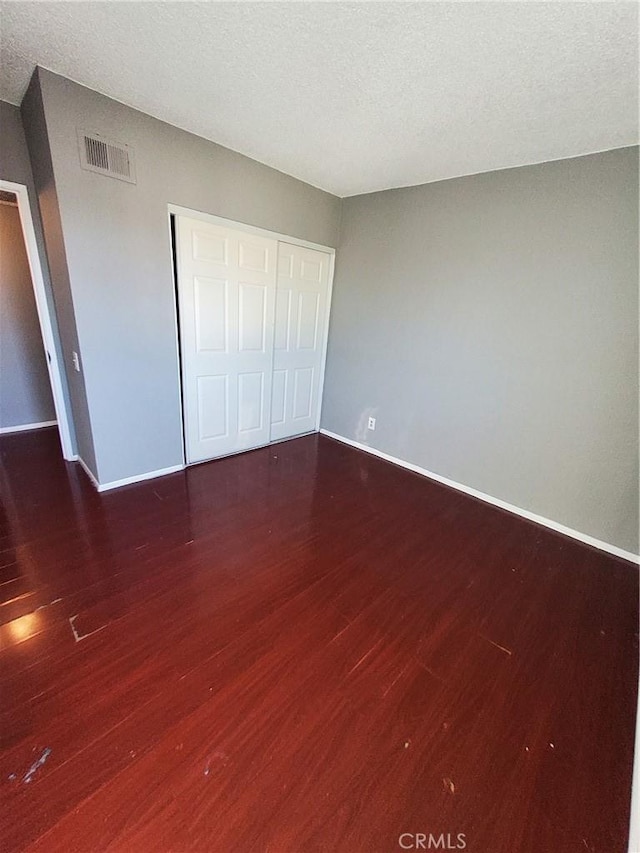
pixel 304 648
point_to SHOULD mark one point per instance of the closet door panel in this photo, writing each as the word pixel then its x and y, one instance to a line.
pixel 226 301
pixel 300 335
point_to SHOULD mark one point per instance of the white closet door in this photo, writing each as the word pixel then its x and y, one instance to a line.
pixel 299 341
pixel 226 298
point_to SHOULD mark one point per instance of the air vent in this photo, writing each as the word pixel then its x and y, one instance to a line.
pixel 102 155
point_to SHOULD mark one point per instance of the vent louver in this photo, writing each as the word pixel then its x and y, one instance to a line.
pixel 98 154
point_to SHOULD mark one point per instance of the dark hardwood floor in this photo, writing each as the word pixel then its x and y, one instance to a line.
pixel 304 648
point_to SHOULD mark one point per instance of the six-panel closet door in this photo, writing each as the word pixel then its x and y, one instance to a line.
pixel 253 325
pixel 226 300
pixel 299 340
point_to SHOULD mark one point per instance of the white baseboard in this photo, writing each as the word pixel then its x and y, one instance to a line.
pixel 524 513
pixel 127 481
pixel 25 427
pixel 89 473
pixel 138 478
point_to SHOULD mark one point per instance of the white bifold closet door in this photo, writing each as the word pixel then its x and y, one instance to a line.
pixel 226 298
pixel 299 340
pixel 253 325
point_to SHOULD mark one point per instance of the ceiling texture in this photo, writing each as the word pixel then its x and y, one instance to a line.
pixel 352 97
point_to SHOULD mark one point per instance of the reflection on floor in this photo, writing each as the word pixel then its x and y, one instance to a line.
pixel 304 648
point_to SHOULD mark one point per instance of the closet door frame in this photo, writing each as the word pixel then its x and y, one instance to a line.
pixel 177 210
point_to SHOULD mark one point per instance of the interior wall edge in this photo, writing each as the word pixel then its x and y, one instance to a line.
pixel 585 538
pixel 89 473
pixel 36 133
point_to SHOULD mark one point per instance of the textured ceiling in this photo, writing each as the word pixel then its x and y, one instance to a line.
pixel 352 97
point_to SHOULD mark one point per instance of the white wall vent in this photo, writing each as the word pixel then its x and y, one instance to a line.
pixel 102 155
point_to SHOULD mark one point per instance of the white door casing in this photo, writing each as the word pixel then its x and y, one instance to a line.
pixel 226 298
pixel 299 339
pixel 45 319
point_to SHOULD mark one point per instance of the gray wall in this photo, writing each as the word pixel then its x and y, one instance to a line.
pixel 117 246
pixel 490 323
pixel 25 392
pixel 16 167
pixel 37 136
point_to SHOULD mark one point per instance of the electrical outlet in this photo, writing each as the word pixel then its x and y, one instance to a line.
pixel 372 423
pixel 76 361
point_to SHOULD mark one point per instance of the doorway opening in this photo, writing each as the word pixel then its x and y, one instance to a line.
pixel 32 390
